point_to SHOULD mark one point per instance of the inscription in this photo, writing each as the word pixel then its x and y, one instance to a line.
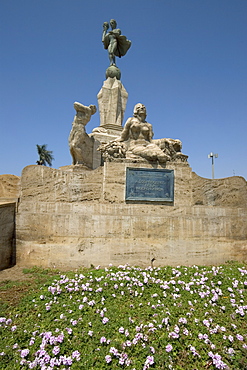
pixel 155 185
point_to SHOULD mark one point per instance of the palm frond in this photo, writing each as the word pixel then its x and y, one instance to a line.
pixel 45 156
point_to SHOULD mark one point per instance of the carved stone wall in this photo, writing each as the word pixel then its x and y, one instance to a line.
pixel 72 219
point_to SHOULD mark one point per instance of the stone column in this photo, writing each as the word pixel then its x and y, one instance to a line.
pixel 112 100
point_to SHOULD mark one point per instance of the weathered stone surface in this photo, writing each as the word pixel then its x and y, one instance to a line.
pixel 80 143
pixel 227 192
pixel 76 219
pixel 9 188
pixel 7 233
pixel 112 100
pixel 46 184
pixel 134 234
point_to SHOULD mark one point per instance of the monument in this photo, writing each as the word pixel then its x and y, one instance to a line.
pixel 112 97
pixel 126 198
pixel 134 141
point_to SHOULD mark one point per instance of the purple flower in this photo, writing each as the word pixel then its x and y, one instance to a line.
pixel 52 289
pixel 173 335
pixel 206 323
pixel 114 351
pixel 52 340
pixel 66 360
pixel 121 330
pixel 105 320
pixel 60 338
pixel 24 352
pixel 31 342
pixel 169 348
pixel 102 340
pixel 182 320
pixel 76 355
pixel 231 351
pixel 193 350
pixel 108 359
pixel 46 358
pixel 239 337
pixel 219 364
pixel 56 350
pixel 121 361
pixel 47 335
pixel 69 330
pixel 149 360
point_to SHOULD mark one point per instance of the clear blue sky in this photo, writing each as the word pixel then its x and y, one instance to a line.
pixel 187 64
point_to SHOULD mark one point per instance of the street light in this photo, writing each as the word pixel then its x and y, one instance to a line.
pixel 212 155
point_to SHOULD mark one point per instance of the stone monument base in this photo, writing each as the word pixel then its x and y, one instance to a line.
pixel 72 219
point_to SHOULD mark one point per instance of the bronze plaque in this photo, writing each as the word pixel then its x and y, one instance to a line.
pixel 152 185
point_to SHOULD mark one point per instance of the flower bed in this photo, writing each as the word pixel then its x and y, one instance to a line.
pixel 128 317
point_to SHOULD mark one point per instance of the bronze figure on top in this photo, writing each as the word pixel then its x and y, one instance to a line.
pixel 116 44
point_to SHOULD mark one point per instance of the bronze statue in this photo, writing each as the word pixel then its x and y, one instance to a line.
pixel 117 44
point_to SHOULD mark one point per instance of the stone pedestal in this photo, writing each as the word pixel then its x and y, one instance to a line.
pixel 112 100
pixel 72 219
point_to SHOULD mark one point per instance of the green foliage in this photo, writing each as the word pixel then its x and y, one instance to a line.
pixel 45 156
pixel 128 317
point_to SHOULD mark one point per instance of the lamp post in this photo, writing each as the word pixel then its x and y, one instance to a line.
pixel 212 155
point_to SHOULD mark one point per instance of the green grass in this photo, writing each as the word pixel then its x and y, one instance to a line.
pixel 128 317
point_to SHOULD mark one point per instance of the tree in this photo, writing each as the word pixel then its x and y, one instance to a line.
pixel 45 156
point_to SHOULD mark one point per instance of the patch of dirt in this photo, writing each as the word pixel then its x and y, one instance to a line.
pixel 14 273
pixel 14 284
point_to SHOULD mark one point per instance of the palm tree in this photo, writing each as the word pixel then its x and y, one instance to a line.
pixel 45 156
